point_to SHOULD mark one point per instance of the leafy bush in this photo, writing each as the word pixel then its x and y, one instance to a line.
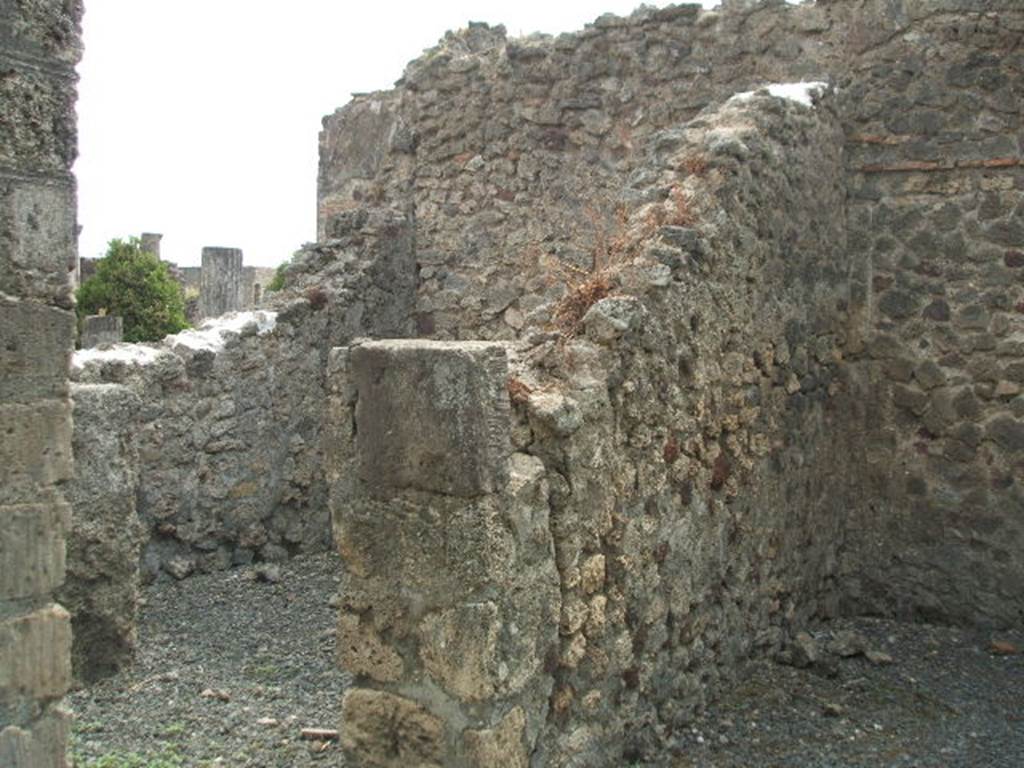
pixel 138 287
pixel 277 281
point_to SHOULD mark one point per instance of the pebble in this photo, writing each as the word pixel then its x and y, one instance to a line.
pixel 268 572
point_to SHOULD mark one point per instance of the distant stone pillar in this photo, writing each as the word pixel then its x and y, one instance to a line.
pixel 222 281
pixel 450 594
pixel 101 329
pixel 151 243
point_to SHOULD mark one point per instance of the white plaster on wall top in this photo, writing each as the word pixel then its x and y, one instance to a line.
pixel 802 92
pixel 211 334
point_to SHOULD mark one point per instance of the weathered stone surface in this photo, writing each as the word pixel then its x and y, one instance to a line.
pixel 387 731
pixel 35 344
pixel 229 434
pixel 221 287
pixel 36 449
pixel 32 548
pixel 362 652
pixel 39 47
pixel 502 745
pixel 431 416
pixel 459 649
pixel 102 587
pixel 39 746
pixel 98 330
pixel 35 656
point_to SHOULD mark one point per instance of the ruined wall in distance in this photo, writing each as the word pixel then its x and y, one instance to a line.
pixel 228 432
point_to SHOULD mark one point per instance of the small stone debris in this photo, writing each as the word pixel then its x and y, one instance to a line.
pixel 215 693
pixel 334 601
pixel 847 643
pixel 268 572
pixel 319 734
pixel 804 650
pixel 180 567
pixel 1003 648
pixel 269 722
pixel 878 658
pixel 831 709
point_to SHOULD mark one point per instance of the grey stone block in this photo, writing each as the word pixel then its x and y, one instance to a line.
pixel 431 416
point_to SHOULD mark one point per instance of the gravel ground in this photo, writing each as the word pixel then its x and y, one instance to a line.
pixel 262 653
pixel 947 699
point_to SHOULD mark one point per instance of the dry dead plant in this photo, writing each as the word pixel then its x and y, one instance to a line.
pixel 694 165
pixel 614 242
pixel 611 248
pixel 518 390
pixel 682 211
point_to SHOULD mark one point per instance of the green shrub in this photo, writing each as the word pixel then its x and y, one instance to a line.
pixel 277 281
pixel 138 287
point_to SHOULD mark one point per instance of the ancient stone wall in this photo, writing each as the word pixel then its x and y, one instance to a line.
pixel 512 155
pixel 39 46
pixel 935 159
pixel 228 434
pixel 672 462
pixel 101 591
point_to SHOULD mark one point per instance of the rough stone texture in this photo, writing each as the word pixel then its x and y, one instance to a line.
pixel 437 443
pixel 39 46
pixel 696 515
pixel 102 587
pixel 389 731
pixel 228 434
pixel 678 452
pixel 98 330
pixel 502 745
pixel 457 606
pixel 221 288
pixel 513 155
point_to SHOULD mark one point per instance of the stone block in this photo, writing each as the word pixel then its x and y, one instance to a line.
pixel 459 650
pixel 101 329
pixel 35 450
pixel 382 730
pixel 35 347
pixel 362 652
pixel 37 239
pixel 35 661
pixel 1007 432
pixel 40 745
pixel 41 104
pixel 501 745
pixel 32 548
pixel 431 416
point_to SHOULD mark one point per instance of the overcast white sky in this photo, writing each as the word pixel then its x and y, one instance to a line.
pixel 199 118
